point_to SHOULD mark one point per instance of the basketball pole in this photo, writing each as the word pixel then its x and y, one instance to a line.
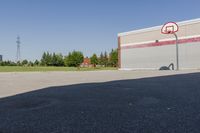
pixel 177 52
pixel 173 28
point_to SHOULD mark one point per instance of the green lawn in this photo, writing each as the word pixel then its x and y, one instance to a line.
pixel 47 69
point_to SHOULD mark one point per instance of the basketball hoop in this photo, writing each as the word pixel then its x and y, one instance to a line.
pixel 170 28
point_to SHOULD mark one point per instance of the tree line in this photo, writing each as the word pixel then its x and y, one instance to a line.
pixel 73 59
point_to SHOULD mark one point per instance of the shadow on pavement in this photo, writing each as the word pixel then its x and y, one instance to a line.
pixel 168 104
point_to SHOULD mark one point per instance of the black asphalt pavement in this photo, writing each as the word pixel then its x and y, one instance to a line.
pixel 168 104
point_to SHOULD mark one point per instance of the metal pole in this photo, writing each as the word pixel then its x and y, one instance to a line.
pixel 177 52
pixel 18 56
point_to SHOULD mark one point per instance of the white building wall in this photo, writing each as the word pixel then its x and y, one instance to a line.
pixel 147 58
pixel 189 56
pixel 158 56
pixel 132 56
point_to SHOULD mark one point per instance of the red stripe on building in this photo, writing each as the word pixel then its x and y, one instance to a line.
pixel 163 43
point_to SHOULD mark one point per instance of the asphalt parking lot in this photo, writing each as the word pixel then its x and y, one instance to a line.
pixel 100 102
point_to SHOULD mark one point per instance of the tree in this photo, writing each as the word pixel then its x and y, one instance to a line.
pixel 113 60
pixel 7 63
pixel 101 59
pixel 36 63
pixel 30 63
pixel 19 63
pixel 57 60
pixel 105 59
pixel 43 62
pixel 24 62
pixel 46 59
pixel 54 60
pixel 94 60
pixel 67 59
pixel 60 60
pixel 74 59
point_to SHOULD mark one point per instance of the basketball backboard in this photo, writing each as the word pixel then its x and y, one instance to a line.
pixel 170 28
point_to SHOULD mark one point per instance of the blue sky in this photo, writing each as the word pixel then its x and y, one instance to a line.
pixel 90 26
